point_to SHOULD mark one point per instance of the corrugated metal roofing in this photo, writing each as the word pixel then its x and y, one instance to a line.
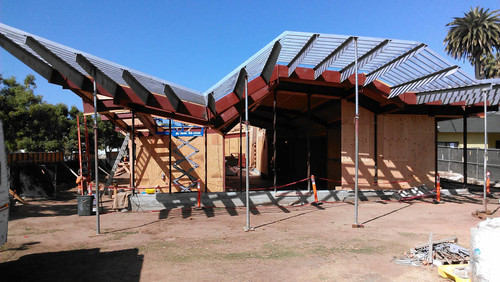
pixel 112 70
pixel 406 66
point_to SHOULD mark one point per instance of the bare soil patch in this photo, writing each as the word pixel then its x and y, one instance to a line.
pixel 48 241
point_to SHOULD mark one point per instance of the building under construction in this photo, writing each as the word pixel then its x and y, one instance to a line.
pixel 308 98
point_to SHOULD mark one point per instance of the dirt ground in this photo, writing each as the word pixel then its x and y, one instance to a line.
pixel 48 241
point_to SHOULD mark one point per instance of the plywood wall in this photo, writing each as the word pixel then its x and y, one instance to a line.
pixel 366 148
pixel 153 166
pixel 405 150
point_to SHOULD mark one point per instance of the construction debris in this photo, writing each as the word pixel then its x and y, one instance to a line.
pixel 17 197
pixel 444 252
pixel 417 192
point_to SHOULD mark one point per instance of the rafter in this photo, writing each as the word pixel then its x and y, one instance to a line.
pixel 268 69
pixel 450 95
pixel 100 77
pixel 42 68
pixel 239 87
pixel 77 78
pixel 302 54
pixel 144 94
pixel 410 85
pixel 363 60
pixel 330 59
pixel 370 77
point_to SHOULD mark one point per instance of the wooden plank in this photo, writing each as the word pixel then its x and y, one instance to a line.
pixel 153 161
pixel 405 150
pixel 366 150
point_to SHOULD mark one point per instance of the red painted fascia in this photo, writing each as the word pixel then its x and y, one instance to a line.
pixel 330 76
pixel 226 102
pixel 408 98
pixel 435 103
pixel 352 79
pixel 303 73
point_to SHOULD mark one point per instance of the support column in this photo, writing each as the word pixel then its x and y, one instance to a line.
pixel 356 134
pixel 485 158
pixel 435 151
pixel 275 182
pixel 223 163
pixel 465 153
pixel 248 228
pixel 96 157
pixel 375 147
pixel 309 142
pixel 206 160
pixel 132 157
pixel 170 155
pixel 239 155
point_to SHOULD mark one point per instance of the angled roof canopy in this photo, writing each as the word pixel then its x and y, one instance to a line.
pixel 398 66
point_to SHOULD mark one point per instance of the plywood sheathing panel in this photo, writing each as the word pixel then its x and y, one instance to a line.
pixel 216 162
pixel 152 161
pixel 405 151
pixel 366 172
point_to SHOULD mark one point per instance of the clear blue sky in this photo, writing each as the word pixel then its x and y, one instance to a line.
pixel 196 43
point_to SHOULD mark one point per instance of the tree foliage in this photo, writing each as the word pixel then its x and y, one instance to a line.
pixel 491 65
pixel 33 125
pixel 475 34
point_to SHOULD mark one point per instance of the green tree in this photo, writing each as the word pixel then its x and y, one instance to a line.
pixel 107 137
pixel 34 125
pixel 475 34
pixel 491 65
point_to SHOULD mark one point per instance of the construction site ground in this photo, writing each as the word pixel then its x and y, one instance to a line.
pixel 48 241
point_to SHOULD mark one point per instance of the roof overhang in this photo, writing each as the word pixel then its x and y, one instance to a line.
pixel 395 76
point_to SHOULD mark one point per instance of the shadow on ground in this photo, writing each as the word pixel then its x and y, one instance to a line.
pixel 77 265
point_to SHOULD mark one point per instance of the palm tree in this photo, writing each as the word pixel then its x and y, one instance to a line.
pixel 474 35
pixel 491 65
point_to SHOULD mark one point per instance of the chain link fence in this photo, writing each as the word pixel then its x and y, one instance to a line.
pixel 451 159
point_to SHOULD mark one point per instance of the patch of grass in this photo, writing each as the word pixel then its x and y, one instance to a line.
pixel 79 246
pixel 34 231
pixel 196 251
pixel 121 235
pixel 408 234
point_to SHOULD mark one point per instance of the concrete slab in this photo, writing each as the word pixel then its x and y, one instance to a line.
pixel 160 201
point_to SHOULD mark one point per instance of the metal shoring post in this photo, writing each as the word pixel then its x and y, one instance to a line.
pixel 240 163
pixel 132 158
pixel 356 141
pixel 96 158
pixel 170 155
pixel 464 136
pixel 206 159
pixel 247 145
pixel 275 182
pixel 485 148
pixel 308 143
